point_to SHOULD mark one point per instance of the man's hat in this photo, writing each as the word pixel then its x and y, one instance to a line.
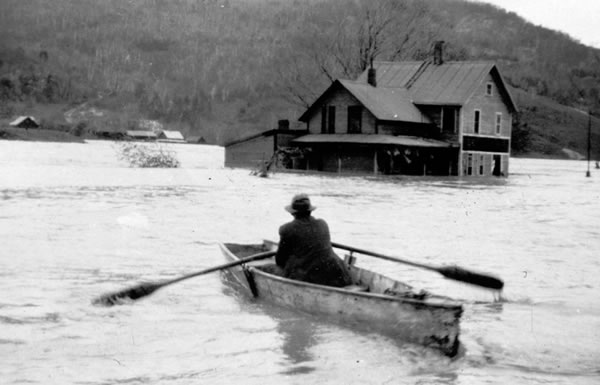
pixel 300 203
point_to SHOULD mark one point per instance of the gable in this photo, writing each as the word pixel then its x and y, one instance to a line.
pixel 503 89
pixel 384 103
pixel 175 135
pixel 25 122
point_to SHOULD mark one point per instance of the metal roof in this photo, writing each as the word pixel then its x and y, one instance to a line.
pixel 174 135
pixel 409 141
pixel 272 132
pixel 450 83
pixel 392 104
pixel 393 74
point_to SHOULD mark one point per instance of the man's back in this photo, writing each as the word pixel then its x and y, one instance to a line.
pixel 305 253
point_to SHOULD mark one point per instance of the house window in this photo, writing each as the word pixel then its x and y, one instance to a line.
pixel 324 120
pixel 489 89
pixel 476 121
pixel 468 169
pixel 498 123
pixel 331 120
pixel 354 119
pixel 449 119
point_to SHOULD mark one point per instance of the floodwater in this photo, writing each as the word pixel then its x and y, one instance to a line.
pixel 76 222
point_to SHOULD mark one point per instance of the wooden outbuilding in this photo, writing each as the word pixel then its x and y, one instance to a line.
pixel 255 150
pixel 25 122
pixel 421 118
pixel 196 139
pixel 141 135
pixel 170 137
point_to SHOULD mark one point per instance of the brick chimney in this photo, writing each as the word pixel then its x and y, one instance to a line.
pixel 372 75
pixel 438 52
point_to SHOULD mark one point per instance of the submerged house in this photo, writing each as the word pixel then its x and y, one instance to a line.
pixel 418 118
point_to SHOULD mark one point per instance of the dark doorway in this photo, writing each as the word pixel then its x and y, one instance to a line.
pixel 497 165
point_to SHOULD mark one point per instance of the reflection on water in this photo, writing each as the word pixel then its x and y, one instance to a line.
pixel 296 330
pixel 298 336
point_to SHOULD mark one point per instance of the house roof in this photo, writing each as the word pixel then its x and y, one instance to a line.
pixel 451 83
pixel 196 139
pixel 265 134
pixel 411 141
pixel 175 135
pixel 393 104
pixel 21 119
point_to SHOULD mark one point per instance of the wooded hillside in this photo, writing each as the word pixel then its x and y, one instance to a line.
pixel 225 69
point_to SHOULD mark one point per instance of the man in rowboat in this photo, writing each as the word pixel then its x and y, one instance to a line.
pixel 305 251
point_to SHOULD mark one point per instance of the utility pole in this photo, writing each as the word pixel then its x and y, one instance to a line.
pixel 589 146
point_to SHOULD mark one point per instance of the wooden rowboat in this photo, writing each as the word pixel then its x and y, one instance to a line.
pixel 374 302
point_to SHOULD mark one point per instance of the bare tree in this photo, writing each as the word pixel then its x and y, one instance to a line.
pixel 364 31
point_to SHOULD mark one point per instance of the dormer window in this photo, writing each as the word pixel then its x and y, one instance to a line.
pixel 489 89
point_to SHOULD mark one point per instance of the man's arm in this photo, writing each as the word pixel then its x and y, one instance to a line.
pixel 283 250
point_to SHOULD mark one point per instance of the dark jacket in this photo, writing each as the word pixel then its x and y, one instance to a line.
pixel 305 253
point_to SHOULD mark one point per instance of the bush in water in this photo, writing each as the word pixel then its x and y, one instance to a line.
pixel 147 155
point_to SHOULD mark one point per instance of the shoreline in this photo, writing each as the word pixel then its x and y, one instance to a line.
pixel 45 135
pixel 39 135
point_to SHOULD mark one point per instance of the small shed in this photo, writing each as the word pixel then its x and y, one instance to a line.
pixel 196 139
pixel 25 122
pixel 259 148
pixel 171 136
pixel 141 135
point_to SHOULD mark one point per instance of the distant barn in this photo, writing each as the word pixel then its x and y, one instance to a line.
pixel 171 137
pixel 196 139
pixel 25 122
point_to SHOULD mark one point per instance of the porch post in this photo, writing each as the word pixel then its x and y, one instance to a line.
pixel 375 165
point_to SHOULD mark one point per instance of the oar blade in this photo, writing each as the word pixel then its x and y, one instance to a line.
pixel 459 274
pixel 132 293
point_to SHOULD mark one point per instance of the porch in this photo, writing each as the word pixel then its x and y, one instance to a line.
pixel 379 154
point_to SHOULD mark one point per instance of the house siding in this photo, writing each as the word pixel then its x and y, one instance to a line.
pixel 249 153
pixel 408 129
pixel 478 159
pixel 341 100
pixel 254 150
pixel 489 106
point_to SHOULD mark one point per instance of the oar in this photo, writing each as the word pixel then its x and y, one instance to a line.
pixel 451 272
pixel 148 288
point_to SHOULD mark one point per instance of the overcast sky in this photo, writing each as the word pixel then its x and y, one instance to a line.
pixel 578 18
